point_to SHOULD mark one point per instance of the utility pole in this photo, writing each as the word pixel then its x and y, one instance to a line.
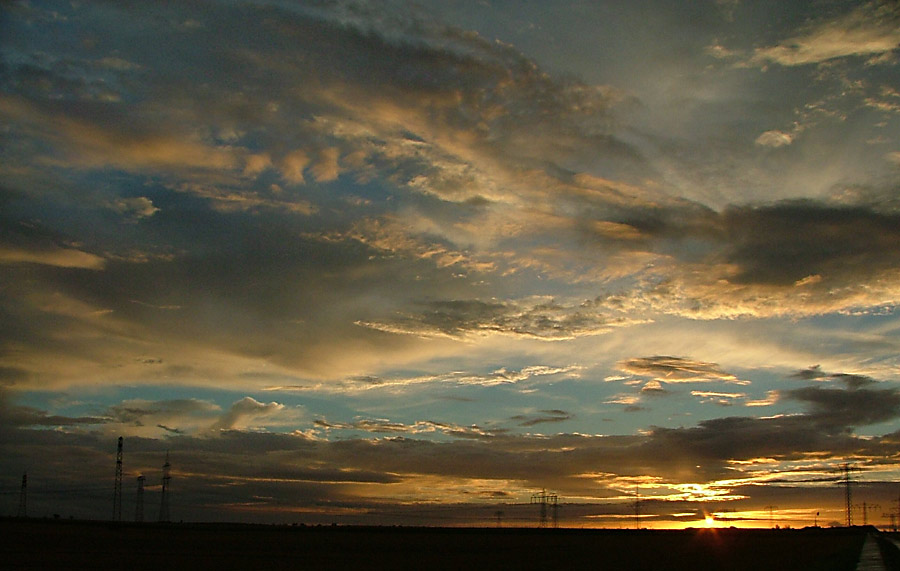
pixel 139 506
pixel 117 492
pixel 23 495
pixel 164 502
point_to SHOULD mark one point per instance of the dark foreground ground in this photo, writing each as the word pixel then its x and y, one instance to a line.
pixel 61 544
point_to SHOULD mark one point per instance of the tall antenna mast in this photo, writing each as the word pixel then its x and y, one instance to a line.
pixel 23 512
pixel 164 504
pixel 139 507
pixel 117 493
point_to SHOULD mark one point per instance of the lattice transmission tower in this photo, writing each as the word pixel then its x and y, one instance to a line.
pixel 545 501
pixel 139 505
pixel 117 492
pixel 865 507
pixel 23 496
pixel 164 502
pixel 848 493
pixel 637 506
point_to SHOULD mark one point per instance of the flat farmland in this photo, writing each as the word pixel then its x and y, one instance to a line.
pixel 57 544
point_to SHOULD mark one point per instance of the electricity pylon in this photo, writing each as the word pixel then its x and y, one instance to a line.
pixel 117 491
pixel 164 502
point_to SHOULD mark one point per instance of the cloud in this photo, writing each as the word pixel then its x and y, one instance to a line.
pixel 421 159
pixel 837 410
pixel 798 257
pixel 870 29
pixel 52 256
pixel 135 208
pixel 772 397
pixel 775 139
pixel 292 166
pixel 31 417
pixel 175 416
pixel 719 398
pixel 542 417
pixel 419 427
pixel 365 383
pixel 93 145
pixel 246 412
pixel 542 319
pixel 665 369
pixel 718 457
pixel 142 418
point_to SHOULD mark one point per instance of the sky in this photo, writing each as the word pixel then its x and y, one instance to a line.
pixel 412 263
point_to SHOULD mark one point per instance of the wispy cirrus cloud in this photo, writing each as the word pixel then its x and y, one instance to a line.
pixel 365 383
pixel 541 319
pixel 419 427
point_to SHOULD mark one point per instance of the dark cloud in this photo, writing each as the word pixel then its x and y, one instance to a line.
pixel 815 373
pixel 25 416
pixel 542 417
pixel 781 244
pixel 837 410
pixel 711 443
pixel 170 429
pixel 12 375
pixel 809 374
pixel 138 411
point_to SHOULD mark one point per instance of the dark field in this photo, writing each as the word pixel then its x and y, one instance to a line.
pixel 60 544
